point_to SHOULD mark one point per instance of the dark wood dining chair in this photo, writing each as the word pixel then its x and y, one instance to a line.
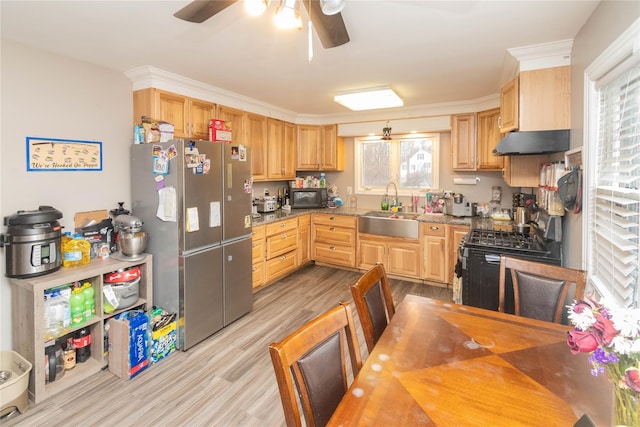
pixel 539 290
pixel 374 303
pixel 313 360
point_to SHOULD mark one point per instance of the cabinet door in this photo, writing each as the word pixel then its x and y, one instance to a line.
pixel 256 138
pixel 371 252
pixel 404 259
pixel 200 112
pixel 545 99
pixel 509 106
pixel 308 154
pixel 435 258
pixel 463 140
pixel 289 151
pixel 235 120
pixel 331 149
pixel 304 239
pixel 523 171
pixel 275 169
pixel 174 109
pixel 456 233
pixel 488 138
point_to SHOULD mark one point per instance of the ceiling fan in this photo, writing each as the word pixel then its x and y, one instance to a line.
pixel 328 23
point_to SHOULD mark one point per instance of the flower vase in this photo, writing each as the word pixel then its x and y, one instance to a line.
pixel 626 408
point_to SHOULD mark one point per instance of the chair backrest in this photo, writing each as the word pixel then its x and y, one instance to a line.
pixel 312 360
pixel 539 290
pixel 374 303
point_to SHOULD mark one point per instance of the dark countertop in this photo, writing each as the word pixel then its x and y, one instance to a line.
pixel 473 222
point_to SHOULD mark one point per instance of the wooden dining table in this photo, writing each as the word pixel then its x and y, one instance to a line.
pixel 445 364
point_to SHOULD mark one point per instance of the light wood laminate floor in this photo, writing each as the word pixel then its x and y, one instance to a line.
pixel 226 380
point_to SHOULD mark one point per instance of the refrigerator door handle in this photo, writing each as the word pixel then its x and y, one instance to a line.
pixel 229 175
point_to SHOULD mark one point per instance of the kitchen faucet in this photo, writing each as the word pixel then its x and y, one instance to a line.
pixel 386 193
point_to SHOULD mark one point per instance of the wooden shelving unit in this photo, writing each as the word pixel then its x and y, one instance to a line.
pixel 27 303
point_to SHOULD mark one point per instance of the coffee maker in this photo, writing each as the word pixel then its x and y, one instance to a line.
pixel 458 205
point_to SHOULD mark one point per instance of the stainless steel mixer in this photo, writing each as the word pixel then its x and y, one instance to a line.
pixel 131 240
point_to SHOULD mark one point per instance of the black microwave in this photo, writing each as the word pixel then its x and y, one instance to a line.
pixel 305 198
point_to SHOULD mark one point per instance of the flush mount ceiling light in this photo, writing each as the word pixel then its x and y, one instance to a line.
pixel 288 15
pixel 369 99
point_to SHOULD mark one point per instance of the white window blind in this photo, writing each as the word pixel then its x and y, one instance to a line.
pixel 614 192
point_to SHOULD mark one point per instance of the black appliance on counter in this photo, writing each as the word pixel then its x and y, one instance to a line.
pixel 479 254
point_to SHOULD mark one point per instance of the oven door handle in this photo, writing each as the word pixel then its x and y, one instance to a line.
pixel 492 259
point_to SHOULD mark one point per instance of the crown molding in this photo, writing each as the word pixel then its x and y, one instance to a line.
pixel 544 55
pixel 147 76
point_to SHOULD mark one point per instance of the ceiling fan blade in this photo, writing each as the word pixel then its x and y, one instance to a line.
pixel 330 28
pixel 200 10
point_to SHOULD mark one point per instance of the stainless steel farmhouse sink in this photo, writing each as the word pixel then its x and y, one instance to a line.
pixel 392 224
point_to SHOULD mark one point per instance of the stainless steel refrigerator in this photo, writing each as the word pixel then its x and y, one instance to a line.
pixel 194 198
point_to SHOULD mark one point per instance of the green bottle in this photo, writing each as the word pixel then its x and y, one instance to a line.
pixel 76 301
pixel 89 301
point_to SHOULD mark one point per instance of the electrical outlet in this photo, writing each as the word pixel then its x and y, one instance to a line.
pixel 349 190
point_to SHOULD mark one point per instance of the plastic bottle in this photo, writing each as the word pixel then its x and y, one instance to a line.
pixel 74 252
pixel 82 343
pixel 52 323
pixel 77 307
pixel 323 180
pixel 64 239
pixel 89 300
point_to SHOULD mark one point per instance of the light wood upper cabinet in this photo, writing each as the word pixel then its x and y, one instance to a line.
pixel 281 143
pixel 235 120
pixel 508 119
pixel 523 171
pixel 488 138
pixel 189 116
pixel 319 148
pixel 537 100
pixel 463 140
pixel 256 138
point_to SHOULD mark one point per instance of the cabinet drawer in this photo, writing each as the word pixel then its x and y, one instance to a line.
pixel 257 232
pixel 304 220
pixel 335 220
pixel 257 270
pixel 257 250
pixel 280 265
pixel 433 229
pixel 281 243
pixel 281 226
pixel 332 234
pixel 335 254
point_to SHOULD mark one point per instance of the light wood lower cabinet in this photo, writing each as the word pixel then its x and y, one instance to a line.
pixel 400 256
pixel 28 314
pixel 434 243
pixel 334 239
pixel 281 239
pixel 257 255
pixel 455 233
pixel 304 239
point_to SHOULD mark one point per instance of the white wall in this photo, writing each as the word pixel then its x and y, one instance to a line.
pixel 49 96
pixel 607 22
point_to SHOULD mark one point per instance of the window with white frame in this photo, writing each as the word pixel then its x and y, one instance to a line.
pixel 612 175
pixel 410 162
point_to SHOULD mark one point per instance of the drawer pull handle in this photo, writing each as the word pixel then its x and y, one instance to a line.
pixel 254 245
pixel 253 269
pixel 284 236
pixel 333 218
pixel 332 229
pixel 333 248
pixel 283 224
pixel 433 227
pixel 283 257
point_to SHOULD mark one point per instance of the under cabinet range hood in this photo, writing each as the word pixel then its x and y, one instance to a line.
pixel 533 142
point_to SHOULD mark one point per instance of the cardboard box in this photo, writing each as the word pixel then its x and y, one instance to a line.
pixel 218 131
pixel 163 342
pixel 128 351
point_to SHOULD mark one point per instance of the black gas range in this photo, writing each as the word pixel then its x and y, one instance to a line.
pixel 479 255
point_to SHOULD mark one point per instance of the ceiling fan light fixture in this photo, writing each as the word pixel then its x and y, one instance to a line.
pixel 255 7
pixel 369 99
pixel 288 15
pixel 331 7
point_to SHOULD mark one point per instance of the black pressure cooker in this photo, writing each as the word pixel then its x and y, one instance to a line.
pixel 32 242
